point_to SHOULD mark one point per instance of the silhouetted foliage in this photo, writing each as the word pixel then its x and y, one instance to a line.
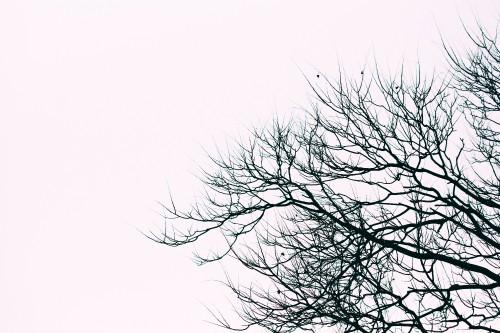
pixel 377 212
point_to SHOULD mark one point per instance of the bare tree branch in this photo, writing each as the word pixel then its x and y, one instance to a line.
pixel 378 213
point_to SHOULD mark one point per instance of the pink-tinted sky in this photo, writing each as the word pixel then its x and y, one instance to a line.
pixel 103 101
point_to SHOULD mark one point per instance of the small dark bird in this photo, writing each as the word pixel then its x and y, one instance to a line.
pixel 282 253
pixel 362 72
pixel 317 75
pixel 279 292
pixel 397 87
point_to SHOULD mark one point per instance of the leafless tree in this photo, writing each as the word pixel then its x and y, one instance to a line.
pixel 379 211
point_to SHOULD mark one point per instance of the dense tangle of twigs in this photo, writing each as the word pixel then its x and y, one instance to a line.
pixel 380 212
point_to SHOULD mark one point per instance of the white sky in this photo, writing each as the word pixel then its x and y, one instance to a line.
pixel 102 102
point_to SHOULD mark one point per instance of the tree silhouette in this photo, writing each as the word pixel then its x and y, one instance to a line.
pixel 377 212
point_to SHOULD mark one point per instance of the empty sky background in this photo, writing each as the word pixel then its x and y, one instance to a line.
pixel 104 101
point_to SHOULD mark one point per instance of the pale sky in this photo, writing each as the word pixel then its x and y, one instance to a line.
pixel 102 102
